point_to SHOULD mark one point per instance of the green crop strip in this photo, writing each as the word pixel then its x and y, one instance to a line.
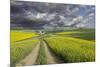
pixel 41 58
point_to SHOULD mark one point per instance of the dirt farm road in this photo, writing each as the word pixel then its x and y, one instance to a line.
pixel 31 59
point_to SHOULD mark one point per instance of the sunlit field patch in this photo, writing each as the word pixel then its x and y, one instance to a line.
pixel 20 35
pixel 71 32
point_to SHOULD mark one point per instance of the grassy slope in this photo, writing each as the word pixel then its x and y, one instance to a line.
pixel 88 34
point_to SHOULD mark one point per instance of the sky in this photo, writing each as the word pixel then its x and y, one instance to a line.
pixel 42 15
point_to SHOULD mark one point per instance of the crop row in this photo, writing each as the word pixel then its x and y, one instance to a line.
pixel 72 49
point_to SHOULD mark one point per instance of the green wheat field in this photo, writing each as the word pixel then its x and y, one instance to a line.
pixel 69 46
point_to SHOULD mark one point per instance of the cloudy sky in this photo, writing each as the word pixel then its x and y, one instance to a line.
pixel 41 15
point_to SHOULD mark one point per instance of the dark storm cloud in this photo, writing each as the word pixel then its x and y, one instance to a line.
pixel 38 14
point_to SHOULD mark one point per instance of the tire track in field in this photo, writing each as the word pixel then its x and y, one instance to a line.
pixel 31 58
pixel 51 58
